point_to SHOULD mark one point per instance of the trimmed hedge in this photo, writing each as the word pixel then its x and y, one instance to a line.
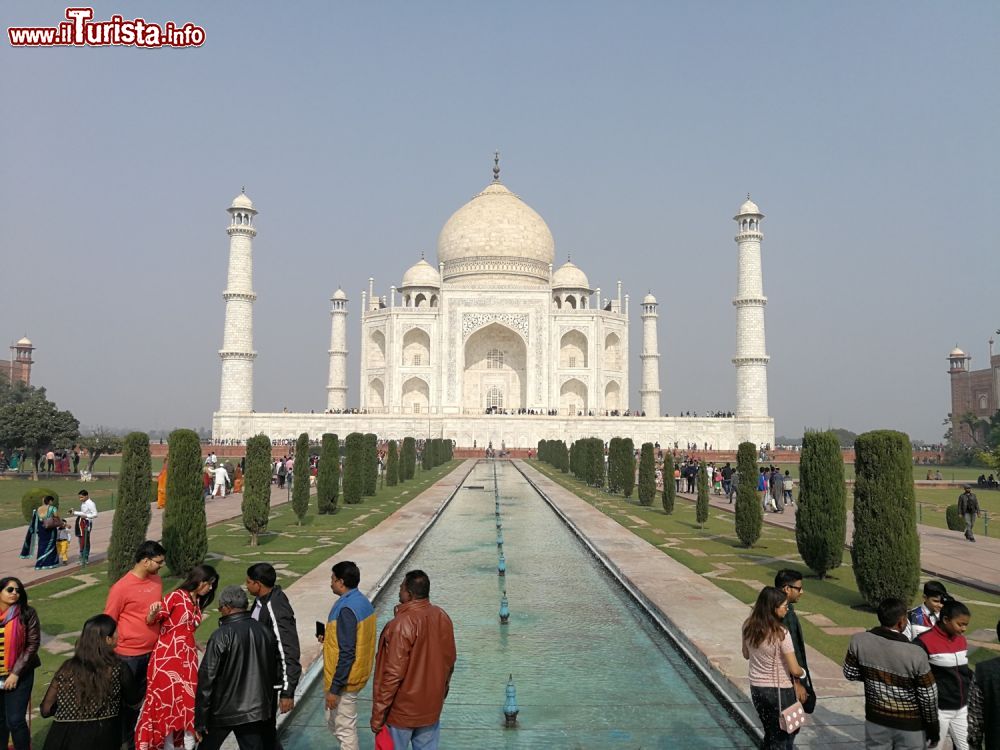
pixel 370 484
pixel 749 513
pixel 409 459
pixel 354 468
pixel 392 465
pixel 885 549
pixel 33 498
pixel 300 474
pixel 647 475
pixel 328 475
pixel 821 512
pixel 256 505
pixel 133 513
pixel 185 534
pixel 953 518
pixel 669 488
pixel 701 505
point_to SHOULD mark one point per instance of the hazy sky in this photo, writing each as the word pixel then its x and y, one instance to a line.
pixel 866 132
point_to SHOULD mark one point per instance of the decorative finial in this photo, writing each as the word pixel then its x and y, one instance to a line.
pixel 421 255
pixel 496 166
pixel 243 189
pixel 569 258
pixel 748 196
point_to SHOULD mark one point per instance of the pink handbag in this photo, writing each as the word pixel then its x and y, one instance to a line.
pixel 793 718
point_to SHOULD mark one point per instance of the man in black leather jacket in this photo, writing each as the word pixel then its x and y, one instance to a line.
pixel 237 680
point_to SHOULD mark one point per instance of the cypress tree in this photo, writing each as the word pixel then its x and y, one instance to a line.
pixel 821 512
pixel 669 489
pixel 256 504
pixel 370 481
pixel 628 467
pixel 328 475
pixel 391 465
pixel 749 513
pixel 647 475
pixel 300 483
pixel 614 465
pixel 133 513
pixel 886 548
pixel 425 457
pixel 701 505
pixel 563 455
pixel 354 468
pixel 185 535
pixel 597 461
pixel 409 457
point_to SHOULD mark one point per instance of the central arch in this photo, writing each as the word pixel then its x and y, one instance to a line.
pixel 495 368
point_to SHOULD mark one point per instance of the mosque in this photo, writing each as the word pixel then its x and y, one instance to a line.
pixel 495 344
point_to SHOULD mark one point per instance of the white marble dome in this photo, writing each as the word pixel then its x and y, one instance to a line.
pixel 569 276
pixel 421 273
pixel 956 352
pixel 649 299
pixel 242 201
pixel 496 235
pixel 339 294
pixel 23 342
pixel 749 207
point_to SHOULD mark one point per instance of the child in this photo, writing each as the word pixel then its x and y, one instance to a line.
pixel 62 542
pixel 923 618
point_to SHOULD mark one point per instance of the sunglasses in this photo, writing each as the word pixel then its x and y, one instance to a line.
pixel 12 590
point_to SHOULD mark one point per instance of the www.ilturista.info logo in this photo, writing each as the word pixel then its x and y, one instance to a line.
pixel 80 30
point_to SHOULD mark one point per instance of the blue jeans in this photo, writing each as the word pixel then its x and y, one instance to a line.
pixel 15 708
pixel 423 738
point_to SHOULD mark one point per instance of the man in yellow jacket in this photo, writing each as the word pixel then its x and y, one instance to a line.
pixel 348 652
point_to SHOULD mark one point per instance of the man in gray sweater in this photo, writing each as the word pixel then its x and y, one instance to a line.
pixel 901 701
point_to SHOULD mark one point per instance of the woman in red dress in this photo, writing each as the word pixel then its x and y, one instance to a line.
pixel 167 718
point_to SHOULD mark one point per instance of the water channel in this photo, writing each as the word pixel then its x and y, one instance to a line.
pixel 592 669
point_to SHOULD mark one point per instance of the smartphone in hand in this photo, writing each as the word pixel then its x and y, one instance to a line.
pixel 320 631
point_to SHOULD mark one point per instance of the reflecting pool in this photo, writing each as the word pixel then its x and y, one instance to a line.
pixel 591 668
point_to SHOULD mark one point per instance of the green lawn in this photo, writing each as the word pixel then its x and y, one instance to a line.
pixel 294 550
pixel 103 491
pixel 948 473
pixel 716 553
pixel 106 465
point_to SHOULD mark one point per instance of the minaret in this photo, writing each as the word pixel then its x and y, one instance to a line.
pixel 751 355
pixel 237 343
pixel 649 391
pixel 336 389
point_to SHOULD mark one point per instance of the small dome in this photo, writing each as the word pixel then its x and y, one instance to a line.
pixel 24 342
pixel 749 207
pixel 569 276
pixel 649 299
pixel 242 201
pixel 956 352
pixel 339 294
pixel 421 274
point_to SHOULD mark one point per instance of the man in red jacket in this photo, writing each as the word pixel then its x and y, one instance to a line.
pixel 413 667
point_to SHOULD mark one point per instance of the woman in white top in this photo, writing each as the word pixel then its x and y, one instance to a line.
pixel 768 647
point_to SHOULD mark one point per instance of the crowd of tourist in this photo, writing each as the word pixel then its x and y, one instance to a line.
pixel 914 664
pixel 137 678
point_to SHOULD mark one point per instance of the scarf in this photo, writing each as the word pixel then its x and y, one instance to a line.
pixel 11 636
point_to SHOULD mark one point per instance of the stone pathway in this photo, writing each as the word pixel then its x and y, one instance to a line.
pixel 11 540
pixel 943 554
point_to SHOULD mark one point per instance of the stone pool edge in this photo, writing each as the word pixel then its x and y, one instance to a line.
pixel 655 579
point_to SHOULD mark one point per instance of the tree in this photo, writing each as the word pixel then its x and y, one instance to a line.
pixel 29 420
pixel 615 466
pixel 409 462
pixel 300 474
pixel 328 475
pixel 647 475
pixel 354 468
pixel 371 464
pixel 133 512
pixel 185 535
pixel 596 455
pixel 391 465
pixel 701 505
pixel 669 488
pixel 749 513
pixel 256 506
pixel 821 511
pixel 100 442
pixel 885 549
pixel 628 467
pixel 425 457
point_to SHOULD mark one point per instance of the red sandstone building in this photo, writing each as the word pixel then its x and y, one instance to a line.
pixel 972 391
pixel 18 369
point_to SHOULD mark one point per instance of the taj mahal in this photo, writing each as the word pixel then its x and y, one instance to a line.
pixel 495 345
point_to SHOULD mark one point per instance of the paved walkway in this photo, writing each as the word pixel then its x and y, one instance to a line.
pixel 11 540
pixel 706 619
pixel 943 553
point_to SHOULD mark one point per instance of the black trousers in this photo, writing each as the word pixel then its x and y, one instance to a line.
pixel 256 736
pixel 137 665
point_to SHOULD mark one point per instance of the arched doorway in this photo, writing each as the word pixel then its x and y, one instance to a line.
pixel 416 396
pixel 496 368
pixel 573 398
